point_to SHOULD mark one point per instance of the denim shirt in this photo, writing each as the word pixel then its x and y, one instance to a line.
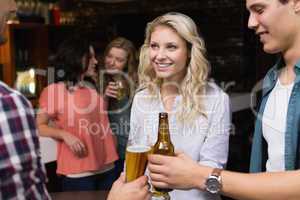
pixel 291 154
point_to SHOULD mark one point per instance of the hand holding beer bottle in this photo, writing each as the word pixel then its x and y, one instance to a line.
pixel 136 157
pixel 163 146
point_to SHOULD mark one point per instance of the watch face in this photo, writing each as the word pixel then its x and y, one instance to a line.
pixel 213 185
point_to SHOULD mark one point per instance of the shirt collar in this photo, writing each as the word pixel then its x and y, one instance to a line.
pixel 280 64
pixel 297 71
pixel 272 75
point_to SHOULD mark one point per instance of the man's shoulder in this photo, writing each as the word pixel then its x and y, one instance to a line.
pixel 5 89
pixel 10 97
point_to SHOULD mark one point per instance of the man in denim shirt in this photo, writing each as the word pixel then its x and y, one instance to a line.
pixel 275 143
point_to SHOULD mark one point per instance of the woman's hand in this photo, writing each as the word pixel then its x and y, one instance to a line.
pixel 111 90
pixel 75 144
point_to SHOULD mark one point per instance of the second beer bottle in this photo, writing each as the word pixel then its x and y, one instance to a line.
pixel 163 146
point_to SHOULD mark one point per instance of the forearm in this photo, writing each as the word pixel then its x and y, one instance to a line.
pixel 48 131
pixel 261 186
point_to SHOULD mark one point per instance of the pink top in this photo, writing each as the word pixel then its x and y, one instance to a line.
pixel 80 112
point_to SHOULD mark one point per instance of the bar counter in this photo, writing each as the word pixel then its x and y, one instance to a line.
pixel 84 195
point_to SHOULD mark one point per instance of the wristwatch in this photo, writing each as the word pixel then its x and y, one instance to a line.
pixel 213 182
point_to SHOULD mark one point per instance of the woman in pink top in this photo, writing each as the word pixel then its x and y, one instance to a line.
pixel 86 148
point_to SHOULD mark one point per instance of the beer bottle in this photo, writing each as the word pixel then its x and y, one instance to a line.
pixel 163 145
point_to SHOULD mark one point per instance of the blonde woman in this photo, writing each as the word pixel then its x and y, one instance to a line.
pixel 173 74
pixel 120 60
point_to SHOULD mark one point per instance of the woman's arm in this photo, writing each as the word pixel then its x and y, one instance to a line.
pixel 214 150
pixel 46 130
pixel 74 143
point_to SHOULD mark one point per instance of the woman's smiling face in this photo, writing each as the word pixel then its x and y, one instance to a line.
pixel 168 53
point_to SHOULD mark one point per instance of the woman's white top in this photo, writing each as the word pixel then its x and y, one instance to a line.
pixel 274 124
pixel 205 139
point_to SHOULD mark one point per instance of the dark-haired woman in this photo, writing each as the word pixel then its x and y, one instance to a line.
pixel 85 145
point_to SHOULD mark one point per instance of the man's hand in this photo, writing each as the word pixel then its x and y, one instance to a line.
pixel 135 190
pixel 179 172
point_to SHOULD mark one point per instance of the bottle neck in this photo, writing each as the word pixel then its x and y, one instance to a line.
pixel 164 134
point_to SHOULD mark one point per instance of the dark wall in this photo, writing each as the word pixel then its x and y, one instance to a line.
pixel 233 49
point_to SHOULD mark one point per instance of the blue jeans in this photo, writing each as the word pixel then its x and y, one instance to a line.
pixel 95 182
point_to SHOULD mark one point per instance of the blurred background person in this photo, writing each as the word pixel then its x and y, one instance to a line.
pixel 120 67
pixel 174 78
pixel 85 145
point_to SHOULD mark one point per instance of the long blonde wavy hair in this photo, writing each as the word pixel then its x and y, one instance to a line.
pixel 198 68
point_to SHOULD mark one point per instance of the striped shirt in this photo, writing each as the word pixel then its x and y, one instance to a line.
pixel 22 175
